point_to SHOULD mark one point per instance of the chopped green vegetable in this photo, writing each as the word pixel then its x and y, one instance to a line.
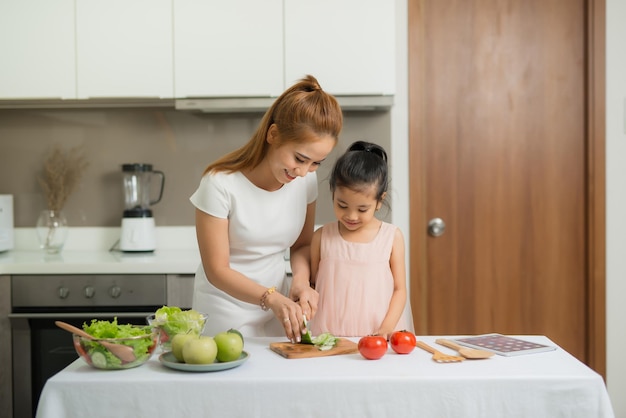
pixel 99 360
pixel 323 342
pixel 308 337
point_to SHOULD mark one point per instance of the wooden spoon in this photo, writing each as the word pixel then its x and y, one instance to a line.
pixel 123 352
pixel 468 353
pixel 438 356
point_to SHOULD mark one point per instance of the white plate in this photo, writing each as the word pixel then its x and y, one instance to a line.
pixel 168 360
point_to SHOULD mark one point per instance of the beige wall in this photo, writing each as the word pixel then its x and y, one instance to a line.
pixel 179 144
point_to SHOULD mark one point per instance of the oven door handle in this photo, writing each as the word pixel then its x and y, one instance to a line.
pixel 61 315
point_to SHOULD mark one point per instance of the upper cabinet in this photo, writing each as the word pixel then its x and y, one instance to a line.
pixel 186 49
pixel 81 49
pixel 349 45
pixel 124 48
pixel 228 48
pixel 37 49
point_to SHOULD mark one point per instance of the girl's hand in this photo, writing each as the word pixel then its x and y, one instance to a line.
pixel 384 333
pixel 307 298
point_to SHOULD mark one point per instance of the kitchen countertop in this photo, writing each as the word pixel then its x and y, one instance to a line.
pixel 87 251
pixel 99 262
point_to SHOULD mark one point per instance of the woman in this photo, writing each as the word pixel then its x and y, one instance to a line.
pixel 253 204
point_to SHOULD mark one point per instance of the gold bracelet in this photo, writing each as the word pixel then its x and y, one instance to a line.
pixel 264 297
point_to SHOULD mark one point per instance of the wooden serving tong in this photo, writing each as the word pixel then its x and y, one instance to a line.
pixel 468 353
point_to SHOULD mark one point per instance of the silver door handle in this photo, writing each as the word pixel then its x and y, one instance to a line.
pixel 436 227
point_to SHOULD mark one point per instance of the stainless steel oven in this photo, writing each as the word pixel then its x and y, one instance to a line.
pixel 40 348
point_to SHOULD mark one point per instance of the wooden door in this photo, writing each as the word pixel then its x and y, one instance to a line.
pixel 506 148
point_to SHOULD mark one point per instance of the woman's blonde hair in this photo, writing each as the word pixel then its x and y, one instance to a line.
pixel 301 109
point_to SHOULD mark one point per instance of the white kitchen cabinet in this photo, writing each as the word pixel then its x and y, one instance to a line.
pixel 228 48
pixel 81 49
pixel 124 48
pixel 37 49
pixel 348 45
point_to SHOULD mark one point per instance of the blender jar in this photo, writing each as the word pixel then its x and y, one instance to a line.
pixel 137 189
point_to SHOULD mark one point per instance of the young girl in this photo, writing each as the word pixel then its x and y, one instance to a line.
pixel 357 263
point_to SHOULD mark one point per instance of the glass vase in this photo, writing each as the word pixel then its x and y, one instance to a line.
pixel 52 230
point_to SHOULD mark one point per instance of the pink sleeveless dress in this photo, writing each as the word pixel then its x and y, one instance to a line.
pixel 355 284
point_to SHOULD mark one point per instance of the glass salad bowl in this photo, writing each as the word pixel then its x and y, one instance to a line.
pixel 169 321
pixel 110 353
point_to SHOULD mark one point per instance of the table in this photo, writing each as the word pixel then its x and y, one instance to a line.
pixel 550 384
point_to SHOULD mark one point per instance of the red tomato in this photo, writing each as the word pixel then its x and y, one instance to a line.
pixel 153 346
pixel 81 351
pixel 402 342
pixel 372 347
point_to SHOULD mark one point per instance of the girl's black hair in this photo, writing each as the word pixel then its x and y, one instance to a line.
pixel 363 165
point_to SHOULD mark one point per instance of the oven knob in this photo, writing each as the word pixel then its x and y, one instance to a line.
pixel 89 292
pixel 115 292
pixel 64 292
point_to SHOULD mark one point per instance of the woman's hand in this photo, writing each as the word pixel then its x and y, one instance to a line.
pixel 289 313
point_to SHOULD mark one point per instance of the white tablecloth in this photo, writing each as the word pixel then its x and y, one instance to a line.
pixel 551 384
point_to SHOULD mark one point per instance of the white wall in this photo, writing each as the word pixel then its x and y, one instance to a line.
pixel 400 131
pixel 616 202
pixel 615 181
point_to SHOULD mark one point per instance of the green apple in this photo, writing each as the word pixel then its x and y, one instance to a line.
pixel 229 345
pixel 200 350
pixel 236 332
pixel 178 342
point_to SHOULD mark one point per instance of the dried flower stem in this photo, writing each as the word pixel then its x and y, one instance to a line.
pixel 61 173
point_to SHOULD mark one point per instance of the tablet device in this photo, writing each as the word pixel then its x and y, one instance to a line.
pixel 503 344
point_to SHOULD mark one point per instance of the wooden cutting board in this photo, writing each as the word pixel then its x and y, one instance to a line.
pixel 290 350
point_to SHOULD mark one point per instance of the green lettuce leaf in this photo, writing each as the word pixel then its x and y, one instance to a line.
pixel 174 320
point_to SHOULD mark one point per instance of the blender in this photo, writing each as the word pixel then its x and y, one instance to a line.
pixel 138 228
